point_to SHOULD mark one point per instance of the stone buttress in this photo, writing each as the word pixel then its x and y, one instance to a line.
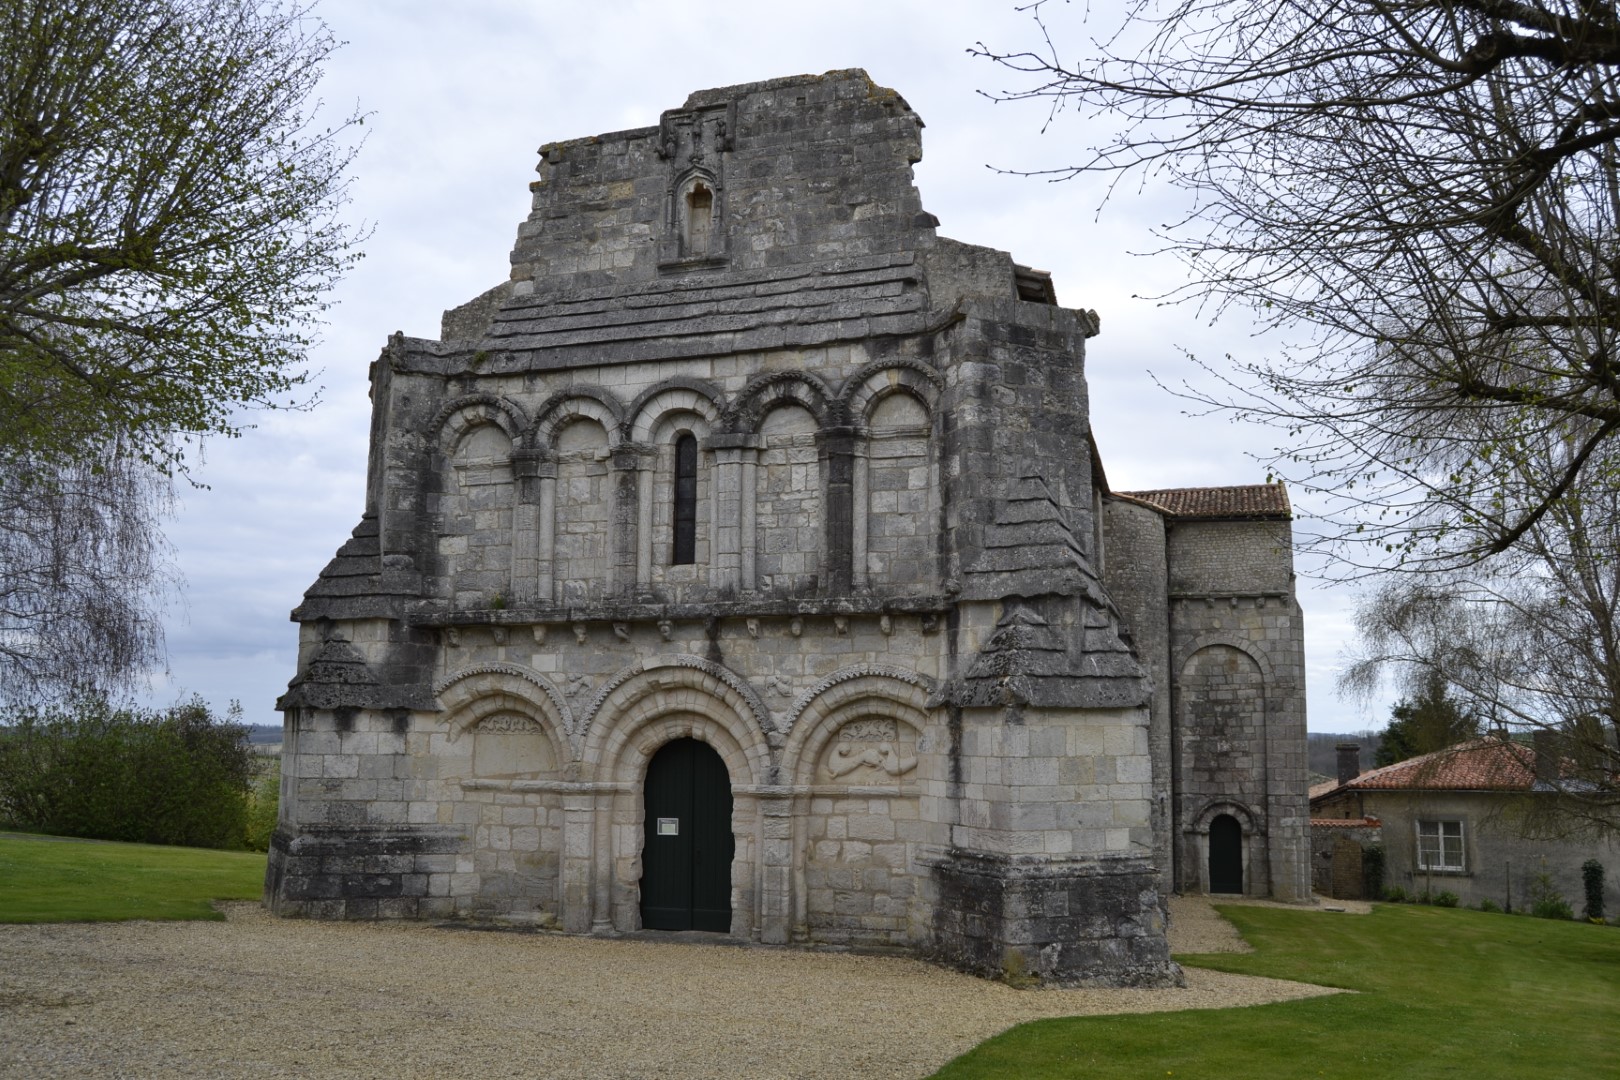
pixel 741 452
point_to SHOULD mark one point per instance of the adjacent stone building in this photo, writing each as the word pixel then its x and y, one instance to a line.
pixel 743 562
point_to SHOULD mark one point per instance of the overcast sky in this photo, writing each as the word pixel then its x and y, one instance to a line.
pixel 458 99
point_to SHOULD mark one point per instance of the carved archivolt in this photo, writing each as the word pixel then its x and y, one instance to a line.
pixel 574 403
pixel 881 378
pixel 690 396
pixel 860 724
pixel 654 701
pixel 920 687
pixel 454 419
pixel 471 694
pixel 753 706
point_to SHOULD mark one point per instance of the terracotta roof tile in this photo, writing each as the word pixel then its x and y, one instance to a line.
pixel 1481 765
pixel 1345 823
pixel 1253 502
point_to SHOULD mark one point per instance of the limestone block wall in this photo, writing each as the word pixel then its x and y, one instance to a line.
pixel 1135 571
pixel 1237 651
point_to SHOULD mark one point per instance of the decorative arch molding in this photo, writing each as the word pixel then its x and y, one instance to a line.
pixel 455 418
pixel 1249 821
pixel 650 676
pixel 647 705
pixel 765 392
pixel 472 694
pixel 880 378
pixel 850 694
pixel 575 403
pixel 1231 641
pixel 674 395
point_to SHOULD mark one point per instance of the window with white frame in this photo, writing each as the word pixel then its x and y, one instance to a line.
pixel 1440 845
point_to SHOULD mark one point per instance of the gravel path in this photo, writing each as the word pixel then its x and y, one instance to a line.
pixel 261 997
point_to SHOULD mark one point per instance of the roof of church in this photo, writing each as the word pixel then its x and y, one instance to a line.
pixel 1251 502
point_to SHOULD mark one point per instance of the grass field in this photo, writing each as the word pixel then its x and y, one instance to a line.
pixel 1442 993
pixel 49 879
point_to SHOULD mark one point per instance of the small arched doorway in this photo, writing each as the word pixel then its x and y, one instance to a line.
pixel 1225 855
pixel 687 844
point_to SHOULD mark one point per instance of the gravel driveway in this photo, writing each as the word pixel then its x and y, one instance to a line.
pixel 261 997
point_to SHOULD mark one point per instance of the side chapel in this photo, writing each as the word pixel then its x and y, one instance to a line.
pixel 744 563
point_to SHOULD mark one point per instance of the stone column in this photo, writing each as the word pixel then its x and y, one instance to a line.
pixel 776 866
pixel 861 506
pixel 623 538
pixel 546 555
pixel 646 475
pixel 733 509
pixel 525 526
pixel 579 848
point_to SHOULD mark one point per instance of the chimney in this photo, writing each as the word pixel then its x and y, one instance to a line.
pixel 1546 747
pixel 1349 761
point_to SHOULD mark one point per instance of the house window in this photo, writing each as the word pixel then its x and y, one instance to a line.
pixel 685 547
pixel 1440 845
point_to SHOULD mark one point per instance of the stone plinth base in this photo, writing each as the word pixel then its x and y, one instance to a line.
pixel 358 873
pixel 1051 921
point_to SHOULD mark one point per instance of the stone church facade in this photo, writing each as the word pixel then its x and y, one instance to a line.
pixel 743 562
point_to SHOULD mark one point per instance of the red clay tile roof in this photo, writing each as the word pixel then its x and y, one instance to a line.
pixel 1345 823
pixel 1253 502
pixel 1317 790
pixel 1482 765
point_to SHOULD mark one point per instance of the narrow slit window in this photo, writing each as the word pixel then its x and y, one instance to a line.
pixel 685 501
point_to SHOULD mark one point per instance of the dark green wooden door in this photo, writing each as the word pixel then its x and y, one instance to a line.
pixel 687 846
pixel 1225 855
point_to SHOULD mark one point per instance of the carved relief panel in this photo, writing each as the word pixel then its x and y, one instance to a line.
pixel 510 746
pixel 878 750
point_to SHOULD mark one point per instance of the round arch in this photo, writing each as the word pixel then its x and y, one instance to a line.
pixel 765 392
pixel 878 380
pixel 456 418
pixel 473 694
pixel 685 395
pixel 576 403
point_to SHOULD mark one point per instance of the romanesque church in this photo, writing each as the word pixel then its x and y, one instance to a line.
pixel 743 563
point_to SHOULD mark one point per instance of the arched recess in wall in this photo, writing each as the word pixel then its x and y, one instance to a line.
pixel 782 514
pixel 1221 739
pixel 896 482
pixel 575 433
pixel 505 733
pixel 503 722
pixel 675 487
pixel 476 436
pixel 854 754
pixel 698 207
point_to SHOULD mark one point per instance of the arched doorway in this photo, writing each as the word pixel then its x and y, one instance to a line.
pixel 687 844
pixel 1225 855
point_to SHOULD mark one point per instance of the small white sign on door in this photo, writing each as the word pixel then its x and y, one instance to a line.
pixel 669 826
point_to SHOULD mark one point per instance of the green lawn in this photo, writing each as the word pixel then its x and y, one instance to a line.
pixel 1443 993
pixel 49 879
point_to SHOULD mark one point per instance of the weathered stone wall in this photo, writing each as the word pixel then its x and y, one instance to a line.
pixel 1237 649
pixel 895 631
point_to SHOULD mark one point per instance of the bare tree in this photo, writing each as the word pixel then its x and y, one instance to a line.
pixel 83 574
pixel 1527 642
pixel 1431 189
